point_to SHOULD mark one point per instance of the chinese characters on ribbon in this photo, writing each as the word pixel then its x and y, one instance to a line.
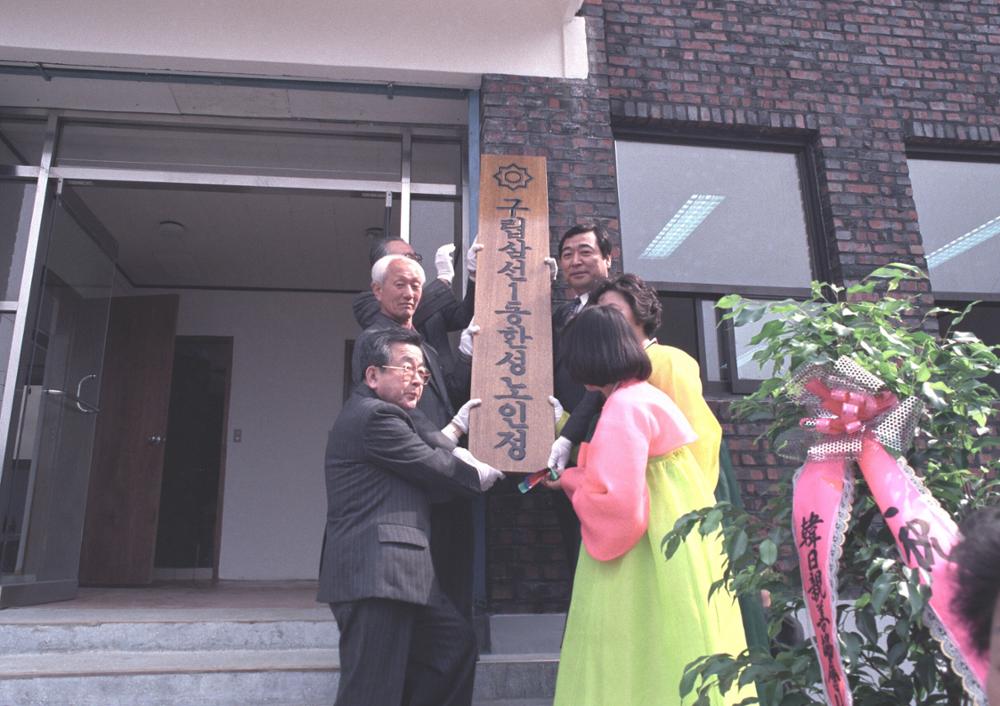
pixel 815 590
pixel 854 418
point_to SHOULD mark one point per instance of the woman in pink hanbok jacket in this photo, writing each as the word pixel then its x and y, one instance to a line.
pixel 635 618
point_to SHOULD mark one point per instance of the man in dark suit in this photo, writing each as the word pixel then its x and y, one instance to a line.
pixel 584 260
pixel 439 310
pixel 397 285
pixel 401 639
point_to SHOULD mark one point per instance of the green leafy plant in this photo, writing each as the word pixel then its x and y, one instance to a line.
pixel 889 654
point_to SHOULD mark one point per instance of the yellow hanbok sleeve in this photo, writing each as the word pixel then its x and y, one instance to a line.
pixel 677 374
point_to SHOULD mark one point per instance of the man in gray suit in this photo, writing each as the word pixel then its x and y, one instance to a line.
pixel 401 639
pixel 398 286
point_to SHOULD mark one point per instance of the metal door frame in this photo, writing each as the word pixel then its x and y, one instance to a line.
pixel 46 173
pixel 48 176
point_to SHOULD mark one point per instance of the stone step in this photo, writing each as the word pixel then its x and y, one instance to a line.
pixel 509 634
pixel 233 678
pixel 21 638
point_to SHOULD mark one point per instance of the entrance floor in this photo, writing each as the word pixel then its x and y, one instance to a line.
pixel 181 602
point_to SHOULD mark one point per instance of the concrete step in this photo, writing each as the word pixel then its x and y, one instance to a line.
pixel 21 638
pixel 233 678
pixel 239 646
pixel 509 634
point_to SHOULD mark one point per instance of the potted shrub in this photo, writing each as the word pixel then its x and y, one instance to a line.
pixel 888 653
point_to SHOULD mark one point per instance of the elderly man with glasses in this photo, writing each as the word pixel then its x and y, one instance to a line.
pixel 401 639
pixel 397 285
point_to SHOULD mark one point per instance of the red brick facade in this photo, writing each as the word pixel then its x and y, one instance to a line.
pixel 857 83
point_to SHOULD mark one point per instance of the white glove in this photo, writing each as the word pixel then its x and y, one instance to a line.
pixel 553 267
pixel 472 257
pixel 559 454
pixel 465 339
pixel 444 263
pixel 557 409
pixel 488 475
pixel 460 422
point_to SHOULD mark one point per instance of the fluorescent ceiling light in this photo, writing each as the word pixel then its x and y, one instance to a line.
pixel 963 242
pixel 681 225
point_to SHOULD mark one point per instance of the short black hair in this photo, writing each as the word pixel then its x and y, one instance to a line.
pixel 641 298
pixel 601 348
pixel 380 248
pixel 600 235
pixel 376 349
pixel 977 574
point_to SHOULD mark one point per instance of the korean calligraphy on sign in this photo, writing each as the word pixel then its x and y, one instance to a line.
pixel 512 360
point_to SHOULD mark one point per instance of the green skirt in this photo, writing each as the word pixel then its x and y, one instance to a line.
pixel 635 622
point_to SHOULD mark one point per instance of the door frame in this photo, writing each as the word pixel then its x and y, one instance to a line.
pixel 23 585
pixel 49 176
pixel 30 276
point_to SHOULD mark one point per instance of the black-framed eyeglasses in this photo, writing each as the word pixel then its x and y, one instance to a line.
pixel 409 371
pixel 414 256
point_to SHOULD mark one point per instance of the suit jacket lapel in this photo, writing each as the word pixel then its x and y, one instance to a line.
pixel 437 376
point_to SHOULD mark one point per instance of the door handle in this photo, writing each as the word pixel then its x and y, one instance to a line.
pixel 79 385
pixel 84 407
pixel 77 399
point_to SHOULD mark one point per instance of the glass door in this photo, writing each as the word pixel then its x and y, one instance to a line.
pixel 45 480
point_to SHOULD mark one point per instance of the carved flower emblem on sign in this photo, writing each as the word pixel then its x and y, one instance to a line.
pixel 513 177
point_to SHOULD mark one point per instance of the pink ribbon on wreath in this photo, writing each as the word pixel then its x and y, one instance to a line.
pixel 854 418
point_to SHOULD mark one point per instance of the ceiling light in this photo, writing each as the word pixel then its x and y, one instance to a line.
pixel 170 229
pixel 963 242
pixel 681 225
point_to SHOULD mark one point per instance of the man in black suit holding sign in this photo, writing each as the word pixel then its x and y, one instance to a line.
pixel 584 260
pixel 401 639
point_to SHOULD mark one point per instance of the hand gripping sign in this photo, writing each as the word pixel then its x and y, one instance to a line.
pixel 854 418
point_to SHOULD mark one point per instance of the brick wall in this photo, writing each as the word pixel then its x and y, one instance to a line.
pixel 855 82
pixel 567 122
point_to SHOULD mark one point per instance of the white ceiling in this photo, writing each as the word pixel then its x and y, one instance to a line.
pixel 440 43
pixel 239 238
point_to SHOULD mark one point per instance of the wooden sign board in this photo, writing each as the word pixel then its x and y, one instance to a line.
pixel 513 430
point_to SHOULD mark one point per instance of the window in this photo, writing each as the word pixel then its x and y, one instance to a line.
pixel 958 207
pixel 699 221
pixel 21 141
pixel 180 148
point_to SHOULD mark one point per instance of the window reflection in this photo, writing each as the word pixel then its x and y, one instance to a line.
pixel 699 222
pixel 436 162
pixel 712 215
pixel 16 201
pixel 958 205
pixel 21 141
pixel 230 151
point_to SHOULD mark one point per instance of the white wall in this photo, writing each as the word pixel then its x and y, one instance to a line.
pixel 285 392
pixel 445 42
